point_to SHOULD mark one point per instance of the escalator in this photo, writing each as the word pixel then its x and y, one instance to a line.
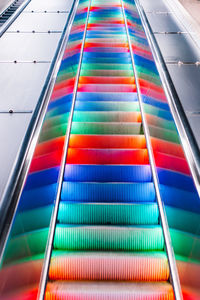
pixel 108 239
pixel 94 159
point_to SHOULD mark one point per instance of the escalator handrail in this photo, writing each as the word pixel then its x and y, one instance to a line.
pixel 49 247
pixel 188 140
pixel 164 223
pixel 16 181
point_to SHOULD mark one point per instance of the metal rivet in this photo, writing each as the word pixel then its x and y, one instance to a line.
pixel 34 61
pixel 15 61
pixel 33 31
pixel 10 111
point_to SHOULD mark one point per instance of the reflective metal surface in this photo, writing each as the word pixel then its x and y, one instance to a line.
pixel 42 22
pixel 36 46
pixel 12 131
pixel 49 5
pixel 163 23
pixel 186 79
pixel 25 77
pixel 154 5
pixel 177 47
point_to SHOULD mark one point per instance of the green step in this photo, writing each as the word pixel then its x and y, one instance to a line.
pixel 103 214
pixel 118 238
pixel 117 72
pixel 91 128
pixel 107 116
pixel 106 128
pixel 92 66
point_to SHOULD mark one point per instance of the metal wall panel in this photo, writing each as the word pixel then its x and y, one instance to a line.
pixel 12 131
pixel 49 5
pixel 39 22
pixel 19 92
pixel 36 46
pixel 154 5
pixel 186 78
pixel 177 47
pixel 163 23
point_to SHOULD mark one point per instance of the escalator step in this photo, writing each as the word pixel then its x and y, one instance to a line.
pixel 114 88
pixel 114 214
pixel 118 238
pixel 107 156
pixel 145 266
pixel 109 291
pixel 106 80
pixel 108 116
pixel 106 128
pixel 107 141
pixel 92 128
pixel 106 106
pixel 108 173
pixel 108 192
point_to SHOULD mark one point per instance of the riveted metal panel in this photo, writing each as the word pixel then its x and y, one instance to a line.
pixel 36 46
pixel 177 47
pixel 49 5
pixel 42 22
pixel 163 23
pixel 12 131
pixel 186 79
pixel 21 85
pixel 154 5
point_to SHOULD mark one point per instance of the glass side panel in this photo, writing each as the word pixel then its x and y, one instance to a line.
pixel 24 253
pixel 177 188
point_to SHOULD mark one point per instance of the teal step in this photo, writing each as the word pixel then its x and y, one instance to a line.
pixel 106 128
pixel 118 238
pixel 102 214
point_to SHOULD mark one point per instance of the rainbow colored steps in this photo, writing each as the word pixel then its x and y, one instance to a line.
pixel 108 243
